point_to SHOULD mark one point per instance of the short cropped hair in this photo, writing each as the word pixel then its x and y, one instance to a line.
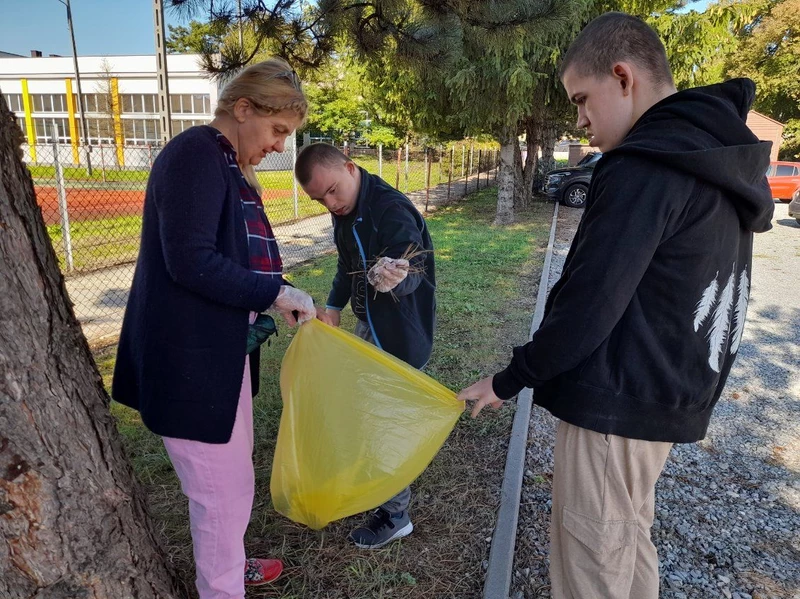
pixel 319 154
pixel 616 37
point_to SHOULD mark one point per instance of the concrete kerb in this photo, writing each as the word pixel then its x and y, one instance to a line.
pixel 501 554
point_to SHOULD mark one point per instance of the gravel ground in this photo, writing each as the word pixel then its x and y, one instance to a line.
pixel 727 508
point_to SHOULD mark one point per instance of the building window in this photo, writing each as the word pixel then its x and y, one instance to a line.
pixel 139 104
pixel 44 130
pixel 101 131
pixel 14 102
pixel 24 126
pixel 141 132
pixel 181 125
pixel 49 102
pixel 190 103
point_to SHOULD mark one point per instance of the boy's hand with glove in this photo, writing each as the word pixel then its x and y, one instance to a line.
pixel 291 300
pixel 387 273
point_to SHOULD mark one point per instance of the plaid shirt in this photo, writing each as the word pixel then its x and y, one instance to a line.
pixel 265 259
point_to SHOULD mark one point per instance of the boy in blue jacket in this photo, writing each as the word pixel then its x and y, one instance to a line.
pixel 376 228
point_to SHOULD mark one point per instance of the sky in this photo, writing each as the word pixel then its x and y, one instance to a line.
pixel 102 27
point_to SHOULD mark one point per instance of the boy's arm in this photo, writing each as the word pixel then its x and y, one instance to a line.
pixel 397 232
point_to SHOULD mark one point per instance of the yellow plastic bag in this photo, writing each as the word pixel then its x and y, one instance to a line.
pixel 358 426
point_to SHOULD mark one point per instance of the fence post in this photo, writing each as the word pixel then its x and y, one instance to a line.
pixel 380 160
pixel 463 172
pixel 294 179
pixel 406 190
pixel 441 157
pixel 397 174
pixel 471 160
pixel 102 163
pixel 480 156
pixel 428 161
pixel 450 172
pixel 62 203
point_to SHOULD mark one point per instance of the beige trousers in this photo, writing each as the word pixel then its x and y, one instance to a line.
pixel 603 508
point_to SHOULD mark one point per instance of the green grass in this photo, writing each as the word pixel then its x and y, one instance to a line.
pixel 486 275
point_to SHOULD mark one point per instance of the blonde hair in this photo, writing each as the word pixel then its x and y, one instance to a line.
pixel 271 87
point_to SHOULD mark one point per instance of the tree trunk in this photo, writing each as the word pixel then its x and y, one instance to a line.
pixel 73 521
pixel 549 136
pixel 506 178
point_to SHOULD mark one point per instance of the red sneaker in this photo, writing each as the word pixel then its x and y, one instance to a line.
pixel 261 571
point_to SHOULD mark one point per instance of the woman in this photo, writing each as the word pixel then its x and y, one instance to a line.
pixel 208 264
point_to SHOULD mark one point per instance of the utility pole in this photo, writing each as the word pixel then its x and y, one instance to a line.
pixel 164 108
pixel 81 104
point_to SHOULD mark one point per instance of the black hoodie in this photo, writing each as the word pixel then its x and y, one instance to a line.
pixel 642 329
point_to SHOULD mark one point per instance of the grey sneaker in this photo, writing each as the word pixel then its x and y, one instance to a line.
pixel 381 528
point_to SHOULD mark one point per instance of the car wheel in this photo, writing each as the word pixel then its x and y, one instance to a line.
pixel 575 195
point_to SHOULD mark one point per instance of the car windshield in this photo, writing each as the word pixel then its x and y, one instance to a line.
pixel 590 159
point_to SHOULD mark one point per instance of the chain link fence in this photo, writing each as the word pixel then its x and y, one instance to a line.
pixel 94 216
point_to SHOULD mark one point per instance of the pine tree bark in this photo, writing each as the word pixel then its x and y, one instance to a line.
pixel 73 522
pixel 506 177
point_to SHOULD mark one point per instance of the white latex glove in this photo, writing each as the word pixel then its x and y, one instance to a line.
pixel 387 273
pixel 290 299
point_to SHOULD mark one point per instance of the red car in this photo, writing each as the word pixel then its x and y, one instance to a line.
pixel 784 179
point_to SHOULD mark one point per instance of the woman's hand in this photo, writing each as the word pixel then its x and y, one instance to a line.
pixel 291 300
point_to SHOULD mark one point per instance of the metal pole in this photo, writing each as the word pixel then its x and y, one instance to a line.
pixel 463 159
pixel 62 204
pixel 81 104
pixel 441 156
pixel 103 163
pixel 162 74
pixel 397 173
pixel 480 155
pixel 450 174
pixel 406 167
pixel 380 160
pixel 427 179
pixel 294 179
pixel 471 158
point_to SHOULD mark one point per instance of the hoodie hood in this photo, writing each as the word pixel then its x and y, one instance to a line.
pixel 702 131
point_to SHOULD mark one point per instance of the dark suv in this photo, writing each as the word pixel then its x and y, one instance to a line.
pixel 570 185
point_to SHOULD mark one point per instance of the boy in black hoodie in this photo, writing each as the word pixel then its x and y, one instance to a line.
pixel 642 329
pixel 374 225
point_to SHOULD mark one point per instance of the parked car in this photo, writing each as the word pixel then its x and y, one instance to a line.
pixel 570 185
pixel 784 179
pixel 794 206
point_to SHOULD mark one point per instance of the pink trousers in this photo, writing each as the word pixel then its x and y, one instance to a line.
pixel 220 484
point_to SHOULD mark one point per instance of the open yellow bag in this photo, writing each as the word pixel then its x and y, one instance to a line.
pixel 358 426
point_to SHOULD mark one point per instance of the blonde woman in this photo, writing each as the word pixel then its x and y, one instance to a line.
pixel 208 265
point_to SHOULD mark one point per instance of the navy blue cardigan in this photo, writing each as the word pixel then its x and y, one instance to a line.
pixel 181 352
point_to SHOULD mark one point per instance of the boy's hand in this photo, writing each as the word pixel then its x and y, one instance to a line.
pixel 483 392
pixel 329 316
pixel 387 273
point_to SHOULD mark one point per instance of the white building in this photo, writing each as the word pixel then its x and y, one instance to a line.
pixel 120 97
